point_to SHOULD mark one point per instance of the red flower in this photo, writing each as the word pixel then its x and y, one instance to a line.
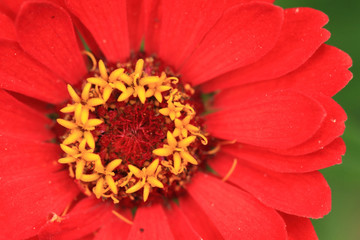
pixel 274 76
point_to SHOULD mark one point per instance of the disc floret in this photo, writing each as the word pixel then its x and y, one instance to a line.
pixel 89 119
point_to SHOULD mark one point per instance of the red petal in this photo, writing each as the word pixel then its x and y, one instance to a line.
pixel 278 120
pixel 47 33
pixel 325 72
pixel 184 24
pixel 235 213
pixel 115 229
pixel 107 23
pixel 180 225
pixel 150 223
pixel 40 106
pixel 300 36
pixel 135 20
pixel 30 192
pixel 7 30
pixel 198 219
pixel 11 7
pixel 152 21
pixel 18 120
pixel 88 216
pixel 306 194
pixel 20 73
pixel 299 228
pixel 324 158
pixel 244 34
pixel 33 153
pixel 332 127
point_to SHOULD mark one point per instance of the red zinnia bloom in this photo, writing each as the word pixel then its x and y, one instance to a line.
pixel 272 125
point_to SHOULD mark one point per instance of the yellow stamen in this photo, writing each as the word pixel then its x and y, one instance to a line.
pixel 92 58
pixel 231 170
pixel 122 217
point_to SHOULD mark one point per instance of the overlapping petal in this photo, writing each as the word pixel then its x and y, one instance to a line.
pixel 107 23
pixel 225 47
pixel 305 194
pixel 278 120
pixel 234 212
pixel 301 35
pixel 46 32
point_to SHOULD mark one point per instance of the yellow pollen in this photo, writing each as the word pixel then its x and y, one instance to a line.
pixel 79 144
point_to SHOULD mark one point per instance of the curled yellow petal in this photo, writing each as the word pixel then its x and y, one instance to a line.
pixel 163 152
pixel 150 170
pixel 97 81
pixel 99 188
pixel 107 92
pixel 84 115
pixel 135 188
pixel 68 109
pixel 141 94
pixel 102 70
pixel 73 137
pixel 93 122
pixel 188 158
pixel 112 165
pixel 110 181
pixel 95 102
pixel 125 78
pixel 125 95
pixel 164 111
pixel 67 160
pixel 155 182
pixel 139 67
pixel 137 172
pixel 149 80
pixel 115 74
pixel 89 177
pixel 66 124
pixel 69 150
pixel 158 97
pixel 85 92
pixel 73 94
pixel 89 139
pixel 187 141
pixel 177 162
pixel 120 86
pixel 146 192
pixel 91 157
pixel 79 169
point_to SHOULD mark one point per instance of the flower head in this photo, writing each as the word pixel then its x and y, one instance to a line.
pixel 216 128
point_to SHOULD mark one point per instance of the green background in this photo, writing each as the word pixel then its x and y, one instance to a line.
pixel 343 222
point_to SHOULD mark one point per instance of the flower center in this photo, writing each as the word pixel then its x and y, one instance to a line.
pixel 132 132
